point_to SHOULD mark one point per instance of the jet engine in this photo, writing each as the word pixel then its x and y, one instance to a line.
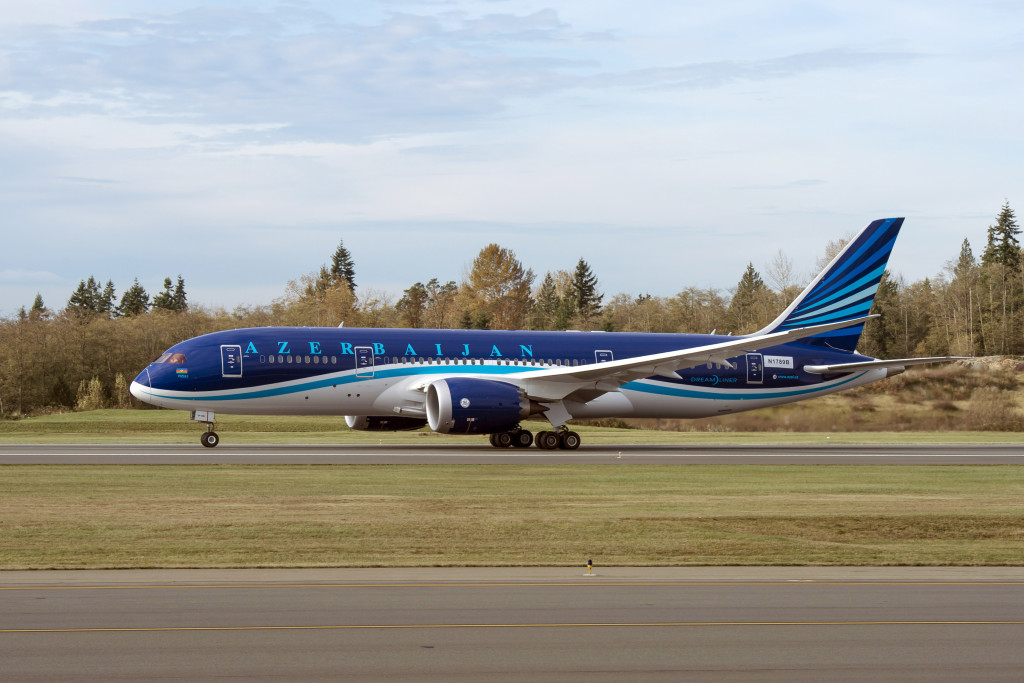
pixel 476 406
pixel 377 423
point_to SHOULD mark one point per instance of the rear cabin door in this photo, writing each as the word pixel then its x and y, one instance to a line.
pixel 230 360
pixel 755 368
pixel 364 361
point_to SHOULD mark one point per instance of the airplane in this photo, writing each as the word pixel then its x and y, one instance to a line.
pixel 489 382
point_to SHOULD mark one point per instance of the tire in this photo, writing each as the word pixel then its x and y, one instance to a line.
pixel 491 438
pixel 209 439
pixel 522 439
pixel 547 441
pixel 503 440
pixel 569 441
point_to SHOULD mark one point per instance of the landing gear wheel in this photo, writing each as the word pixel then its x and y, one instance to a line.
pixel 503 440
pixel 522 439
pixel 547 441
pixel 490 437
pixel 209 439
pixel 569 441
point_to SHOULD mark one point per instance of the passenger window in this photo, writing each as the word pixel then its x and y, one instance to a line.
pixel 289 359
pixel 575 362
pixel 334 360
pixel 270 359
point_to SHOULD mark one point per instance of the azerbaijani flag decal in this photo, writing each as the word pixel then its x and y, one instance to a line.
pixel 182 372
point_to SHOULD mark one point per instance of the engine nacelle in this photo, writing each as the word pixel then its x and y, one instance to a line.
pixel 378 423
pixel 475 406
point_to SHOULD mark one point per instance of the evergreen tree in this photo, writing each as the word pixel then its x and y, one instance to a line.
pixel 1003 246
pixel 545 310
pixel 179 300
pixel 134 301
pixel 165 299
pixel 749 304
pixel 106 304
pixel 85 300
pixel 38 309
pixel 342 267
pixel 586 301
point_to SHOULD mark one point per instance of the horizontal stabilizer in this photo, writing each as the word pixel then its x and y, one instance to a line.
pixel 897 364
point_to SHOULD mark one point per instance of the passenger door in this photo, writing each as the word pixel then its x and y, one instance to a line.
pixel 230 360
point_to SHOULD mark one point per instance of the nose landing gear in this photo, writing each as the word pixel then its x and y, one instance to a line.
pixel 209 438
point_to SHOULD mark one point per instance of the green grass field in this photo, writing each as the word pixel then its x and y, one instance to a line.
pixel 387 515
pixel 174 427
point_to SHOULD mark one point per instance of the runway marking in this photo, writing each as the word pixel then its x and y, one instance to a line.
pixel 795 583
pixel 372 627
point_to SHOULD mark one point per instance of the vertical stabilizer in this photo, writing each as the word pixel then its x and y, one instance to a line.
pixel 845 290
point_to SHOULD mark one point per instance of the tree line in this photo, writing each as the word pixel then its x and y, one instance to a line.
pixel 86 352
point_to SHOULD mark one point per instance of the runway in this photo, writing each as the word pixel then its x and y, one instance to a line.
pixel 625 454
pixel 500 624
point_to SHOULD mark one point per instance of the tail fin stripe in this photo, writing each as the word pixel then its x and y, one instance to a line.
pixel 866 286
pixel 879 257
pixel 856 311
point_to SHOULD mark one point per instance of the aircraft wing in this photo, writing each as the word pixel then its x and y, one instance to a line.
pixel 898 364
pixel 555 384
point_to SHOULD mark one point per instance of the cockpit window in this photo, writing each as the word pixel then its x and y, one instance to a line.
pixel 176 358
pixel 163 358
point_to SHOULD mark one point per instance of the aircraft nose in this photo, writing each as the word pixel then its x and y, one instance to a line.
pixel 140 384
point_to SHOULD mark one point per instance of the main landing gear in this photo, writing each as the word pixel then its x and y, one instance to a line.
pixel 209 438
pixel 548 441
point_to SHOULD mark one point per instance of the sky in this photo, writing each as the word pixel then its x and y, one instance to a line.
pixel 667 143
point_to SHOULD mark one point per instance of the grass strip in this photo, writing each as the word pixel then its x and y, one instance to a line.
pixel 508 515
pixel 174 427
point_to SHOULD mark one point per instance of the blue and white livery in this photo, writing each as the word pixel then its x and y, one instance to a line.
pixel 490 382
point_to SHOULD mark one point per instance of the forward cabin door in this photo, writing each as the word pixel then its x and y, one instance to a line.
pixel 364 361
pixel 230 360
pixel 603 356
pixel 755 368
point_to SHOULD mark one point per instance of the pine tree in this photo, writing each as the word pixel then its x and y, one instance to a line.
pixel 1003 246
pixel 749 303
pixel 179 300
pixel 342 267
pixel 38 309
pixel 85 300
pixel 164 300
pixel 134 301
pixel 545 310
pixel 106 304
pixel 586 300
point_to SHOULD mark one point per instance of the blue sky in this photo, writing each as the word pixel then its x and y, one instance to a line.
pixel 667 143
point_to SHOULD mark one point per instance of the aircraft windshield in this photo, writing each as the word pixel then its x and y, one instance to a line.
pixel 176 358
